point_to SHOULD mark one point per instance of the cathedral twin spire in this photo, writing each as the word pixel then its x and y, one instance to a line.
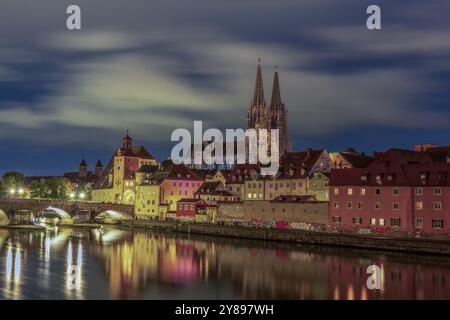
pixel 261 117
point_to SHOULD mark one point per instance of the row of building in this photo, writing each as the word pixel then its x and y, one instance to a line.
pixel 401 190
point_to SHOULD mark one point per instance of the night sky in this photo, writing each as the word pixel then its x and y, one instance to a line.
pixel 154 66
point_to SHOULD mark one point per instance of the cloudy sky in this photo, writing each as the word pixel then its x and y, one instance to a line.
pixel 154 66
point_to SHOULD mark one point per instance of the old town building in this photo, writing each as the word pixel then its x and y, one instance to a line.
pixel 349 158
pixel 117 183
pixel 400 190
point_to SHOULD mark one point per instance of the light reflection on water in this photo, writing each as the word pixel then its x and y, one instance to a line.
pixel 114 263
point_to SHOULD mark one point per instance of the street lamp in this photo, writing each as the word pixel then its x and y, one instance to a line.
pixel 82 195
pixel 12 191
pixel 21 191
pixel 72 195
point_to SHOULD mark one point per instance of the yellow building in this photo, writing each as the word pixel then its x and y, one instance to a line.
pixel 117 184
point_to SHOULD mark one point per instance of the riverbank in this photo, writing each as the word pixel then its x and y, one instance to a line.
pixel 400 244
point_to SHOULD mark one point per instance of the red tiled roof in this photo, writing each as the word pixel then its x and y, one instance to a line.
pixel 394 168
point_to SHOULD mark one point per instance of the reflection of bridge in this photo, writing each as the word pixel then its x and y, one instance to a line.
pixel 18 211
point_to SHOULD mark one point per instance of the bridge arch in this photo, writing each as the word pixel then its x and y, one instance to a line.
pixel 114 216
pixel 65 218
pixel 4 220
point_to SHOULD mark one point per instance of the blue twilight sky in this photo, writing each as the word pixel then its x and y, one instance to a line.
pixel 154 66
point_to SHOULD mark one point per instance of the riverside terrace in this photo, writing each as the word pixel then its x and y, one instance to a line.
pixel 23 211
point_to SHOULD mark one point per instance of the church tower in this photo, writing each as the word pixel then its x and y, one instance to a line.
pixel 258 113
pixel 278 115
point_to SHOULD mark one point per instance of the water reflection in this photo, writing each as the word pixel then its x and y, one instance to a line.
pixel 65 263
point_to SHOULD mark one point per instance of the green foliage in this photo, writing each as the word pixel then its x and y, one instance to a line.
pixel 53 188
pixel 11 180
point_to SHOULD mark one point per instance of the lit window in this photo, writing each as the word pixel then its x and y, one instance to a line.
pixel 357 220
pixel 419 191
pixel 381 222
pixel 336 191
pixel 363 191
pixel 336 219
pixel 377 205
pixel 249 196
pixel 373 221
pixel 350 191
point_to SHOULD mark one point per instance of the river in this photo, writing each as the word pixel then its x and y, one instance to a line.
pixel 114 263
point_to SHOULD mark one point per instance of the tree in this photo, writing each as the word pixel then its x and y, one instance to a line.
pixel 58 188
pixel 39 189
pixel 13 180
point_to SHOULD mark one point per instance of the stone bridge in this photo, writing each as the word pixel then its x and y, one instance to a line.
pixel 22 211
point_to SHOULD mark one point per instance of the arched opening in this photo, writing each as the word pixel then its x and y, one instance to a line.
pixel 128 197
pixel 4 220
pixel 112 216
pixel 53 216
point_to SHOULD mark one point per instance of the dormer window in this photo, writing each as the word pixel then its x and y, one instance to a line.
pixel 391 177
pixel 378 178
pixel 364 177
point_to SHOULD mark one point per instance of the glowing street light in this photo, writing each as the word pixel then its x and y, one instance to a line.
pixel 21 191
pixel 12 191
pixel 82 195
pixel 72 195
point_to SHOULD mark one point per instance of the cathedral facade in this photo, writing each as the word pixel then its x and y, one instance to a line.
pixel 262 116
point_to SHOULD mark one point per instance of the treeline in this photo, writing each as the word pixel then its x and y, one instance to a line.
pixel 13 184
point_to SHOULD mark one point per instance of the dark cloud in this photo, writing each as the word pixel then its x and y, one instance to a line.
pixel 154 66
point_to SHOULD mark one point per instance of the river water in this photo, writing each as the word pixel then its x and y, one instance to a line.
pixel 67 263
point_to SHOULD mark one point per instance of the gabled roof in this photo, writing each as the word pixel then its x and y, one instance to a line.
pixel 209 187
pixel 439 154
pixel 395 167
pixel 356 160
pixel 241 172
pixel 103 181
pixel 148 168
pixel 295 165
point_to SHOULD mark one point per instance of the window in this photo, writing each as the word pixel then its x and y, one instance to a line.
pixel 382 222
pixel 395 222
pixel 249 196
pixel 260 196
pixel 419 205
pixel 254 196
pixel 419 223
pixel 377 192
pixel 437 191
pixel 373 221
pixel 336 219
pixel 350 191
pixel 363 191
pixel 357 220
pixel 336 205
pixel 437 223
pixel 377 205
pixel 336 191
pixel 419 191
pixel 396 191
pixel 359 205
pixel 437 205
pixel 395 206
pixel 349 205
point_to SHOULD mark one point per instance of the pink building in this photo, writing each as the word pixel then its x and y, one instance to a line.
pixel 189 207
pixel 400 190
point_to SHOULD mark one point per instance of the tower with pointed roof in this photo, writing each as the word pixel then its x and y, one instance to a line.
pixel 83 169
pixel 258 112
pixel 127 142
pixel 278 115
pixel 98 168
